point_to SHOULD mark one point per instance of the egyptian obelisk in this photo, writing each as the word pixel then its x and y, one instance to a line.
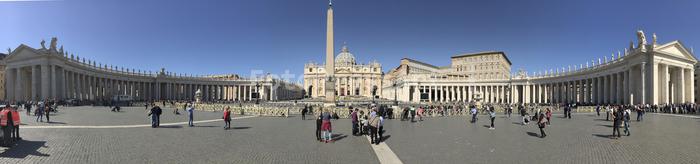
pixel 330 62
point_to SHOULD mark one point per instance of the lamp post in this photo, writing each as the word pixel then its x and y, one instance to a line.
pixel 396 101
pixel 420 94
pixel 257 92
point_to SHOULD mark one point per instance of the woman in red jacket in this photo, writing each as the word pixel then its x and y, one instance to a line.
pixel 227 117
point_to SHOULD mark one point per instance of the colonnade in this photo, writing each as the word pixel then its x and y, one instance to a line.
pixel 41 74
pixel 39 82
pixel 450 92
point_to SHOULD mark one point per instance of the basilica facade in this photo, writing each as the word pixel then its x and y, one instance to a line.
pixel 352 80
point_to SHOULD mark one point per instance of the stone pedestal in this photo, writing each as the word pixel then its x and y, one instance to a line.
pixel 330 92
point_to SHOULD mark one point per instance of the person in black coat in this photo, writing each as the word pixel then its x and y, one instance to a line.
pixel 617 120
pixel 159 111
pixel 303 112
pixel 319 121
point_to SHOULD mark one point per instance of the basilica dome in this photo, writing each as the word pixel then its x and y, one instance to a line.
pixel 344 58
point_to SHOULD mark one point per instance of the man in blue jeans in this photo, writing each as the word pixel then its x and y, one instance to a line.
pixel 190 112
pixel 473 112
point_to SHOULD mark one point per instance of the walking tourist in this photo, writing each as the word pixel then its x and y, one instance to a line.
pixel 326 126
pixel 413 114
pixel 421 111
pixel 542 123
pixel 510 110
pixel 640 113
pixel 303 112
pixel 28 107
pixel 473 112
pixel 190 115
pixel 492 113
pixel 354 120
pixel 616 123
pixel 227 118
pixel 373 127
pixel 319 122
pixel 47 112
pixel 626 119
pixel 39 112
pixel 525 116
pixel 597 110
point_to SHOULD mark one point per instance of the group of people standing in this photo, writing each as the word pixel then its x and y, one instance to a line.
pixel 9 123
pixel 620 117
pixel 156 111
pixel 43 108
pixel 372 124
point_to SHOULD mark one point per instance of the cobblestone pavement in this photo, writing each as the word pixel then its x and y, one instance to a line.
pixel 102 116
pixel 583 139
pixel 251 140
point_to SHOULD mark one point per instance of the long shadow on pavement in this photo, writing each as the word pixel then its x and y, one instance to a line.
pixel 242 127
pixel 206 126
pixel 56 122
pixel 533 134
pixel 170 126
pixel 338 137
pixel 384 138
pixel 602 135
pixel 24 148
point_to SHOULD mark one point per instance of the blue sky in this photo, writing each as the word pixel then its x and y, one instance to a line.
pixel 237 36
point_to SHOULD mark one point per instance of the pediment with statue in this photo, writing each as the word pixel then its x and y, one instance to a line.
pixel 24 52
pixel 676 49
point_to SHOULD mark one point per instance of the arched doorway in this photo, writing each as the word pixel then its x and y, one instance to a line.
pixel 310 90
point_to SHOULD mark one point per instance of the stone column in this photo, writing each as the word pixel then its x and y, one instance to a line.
pixel 601 90
pixel 643 85
pixel 33 86
pixel 690 85
pixel 10 76
pixel 250 92
pixel 53 81
pixel 681 85
pixel 620 89
pixel 19 89
pixel 606 89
